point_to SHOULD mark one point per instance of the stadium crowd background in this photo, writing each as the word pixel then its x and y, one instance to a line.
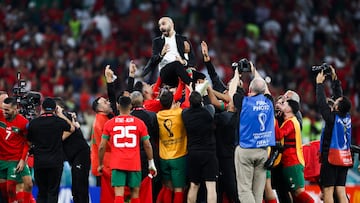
pixel 62 46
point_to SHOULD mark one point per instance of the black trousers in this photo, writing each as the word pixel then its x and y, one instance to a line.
pixel 48 182
pixel 227 180
pixel 170 73
pixel 80 168
pixel 278 183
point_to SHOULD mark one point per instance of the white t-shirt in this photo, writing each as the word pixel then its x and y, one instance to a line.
pixel 170 56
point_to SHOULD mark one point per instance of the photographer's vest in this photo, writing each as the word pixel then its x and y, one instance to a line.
pixel 293 143
pixel 256 127
pixel 339 151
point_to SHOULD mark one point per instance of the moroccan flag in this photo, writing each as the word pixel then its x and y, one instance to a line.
pixel 146 189
pixel 312 161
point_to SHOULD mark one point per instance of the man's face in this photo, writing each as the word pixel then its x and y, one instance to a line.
pixel 331 103
pixel 104 105
pixel 282 105
pixel 165 26
pixel 9 111
pixel 336 104
pixel 147 89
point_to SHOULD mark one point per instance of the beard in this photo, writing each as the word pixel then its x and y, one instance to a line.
pixel 166 32
pixel 8 116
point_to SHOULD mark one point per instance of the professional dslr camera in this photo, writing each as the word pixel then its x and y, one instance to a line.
pixel 324 67
pixel 27 100
pixel 243 66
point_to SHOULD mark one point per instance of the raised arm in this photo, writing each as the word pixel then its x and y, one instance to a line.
pixel 218 84
pixel 256 74
pixel 131 78
pixel 234 83
pixel 335 85
pixel 109 77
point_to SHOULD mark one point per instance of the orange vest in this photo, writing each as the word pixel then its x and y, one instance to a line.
pixel 297 143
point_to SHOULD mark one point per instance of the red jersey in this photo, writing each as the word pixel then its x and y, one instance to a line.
pixel 153 105
pixel 124 133
pixel 290 131
pixel 13 144
pixel 97 129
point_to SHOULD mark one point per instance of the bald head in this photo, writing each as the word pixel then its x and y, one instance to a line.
pixel 257 86
pixel 292 95
pixel 166 26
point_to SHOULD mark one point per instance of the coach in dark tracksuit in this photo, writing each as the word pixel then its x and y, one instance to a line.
pixel 165 50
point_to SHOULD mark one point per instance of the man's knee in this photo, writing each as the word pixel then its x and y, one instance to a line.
pixel 28 184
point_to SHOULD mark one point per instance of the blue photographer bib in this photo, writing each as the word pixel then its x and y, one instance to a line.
pixel 339 152
pixel 257 127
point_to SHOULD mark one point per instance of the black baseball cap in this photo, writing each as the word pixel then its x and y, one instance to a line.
pixel 49 104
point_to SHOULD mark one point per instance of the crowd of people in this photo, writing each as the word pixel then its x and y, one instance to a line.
pixel 173 112
pixel 61 47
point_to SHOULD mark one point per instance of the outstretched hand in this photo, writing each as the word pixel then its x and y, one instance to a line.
pixel 320 77
pixel 205 51
pixel 109 74
pixel 132 69
pixel 333 74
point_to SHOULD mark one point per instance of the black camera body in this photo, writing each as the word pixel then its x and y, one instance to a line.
pixel 27 100
pixel 243 66
pixel 324 67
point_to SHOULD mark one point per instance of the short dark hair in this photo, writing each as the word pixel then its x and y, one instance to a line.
pixel 124 101
pixel 344 106
pixel 166 99
pixel 195 99
pixel 59 101
pixel 10 100
pixel 95 104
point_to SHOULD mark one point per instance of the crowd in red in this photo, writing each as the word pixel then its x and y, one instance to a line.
pixel 61 47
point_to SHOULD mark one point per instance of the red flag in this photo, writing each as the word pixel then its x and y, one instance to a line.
pixel 107 192
pixel 312 161
pixel 145 194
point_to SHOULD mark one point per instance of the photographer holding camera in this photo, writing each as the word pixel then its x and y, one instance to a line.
pixel 256 131
pixel 335 139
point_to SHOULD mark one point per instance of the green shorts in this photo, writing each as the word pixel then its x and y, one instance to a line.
pixel 8 171
pixel 125 178
pixel 174 170
pixel 294 176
